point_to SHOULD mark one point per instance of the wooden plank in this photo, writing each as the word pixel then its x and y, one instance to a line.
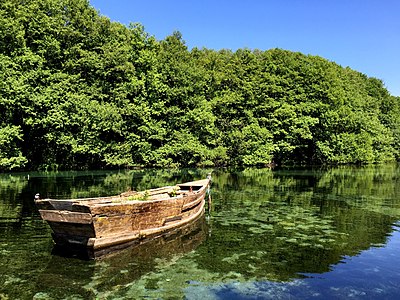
pixel 113 240
pixel 161 196
pixel 65 216
pixel 105 226
pixel 135 207
pixel 54 204
pixel 152 232
pixel 172 219
pixel 124 222
pixel 202 182
pixel 192 204
pixel 151 192
pixel 166 189
pixel 186 217
pixel 72 229
pixel 194 210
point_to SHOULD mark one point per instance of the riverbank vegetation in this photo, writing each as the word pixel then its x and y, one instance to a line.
pixel 79 91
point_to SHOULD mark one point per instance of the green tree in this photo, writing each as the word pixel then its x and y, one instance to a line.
pixel 80 91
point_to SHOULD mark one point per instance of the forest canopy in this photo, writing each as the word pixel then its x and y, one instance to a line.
pixel 79 91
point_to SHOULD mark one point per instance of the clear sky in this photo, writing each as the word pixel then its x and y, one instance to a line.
pixel 361 34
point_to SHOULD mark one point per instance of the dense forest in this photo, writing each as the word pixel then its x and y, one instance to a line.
pixel 79 91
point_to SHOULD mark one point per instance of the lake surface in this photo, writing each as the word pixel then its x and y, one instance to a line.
pixel 269 234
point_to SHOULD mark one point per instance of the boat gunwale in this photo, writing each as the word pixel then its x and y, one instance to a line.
pixel 119 199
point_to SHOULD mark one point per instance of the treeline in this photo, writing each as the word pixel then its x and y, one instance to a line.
pixel 79 91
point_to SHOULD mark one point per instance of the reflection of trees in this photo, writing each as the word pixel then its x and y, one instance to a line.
pixel 155 178
pixel 274 224
pixel 10 188
pixel 372 188
pixel 364 202
pixel 104 183
pixel 117 271
pixel 264 225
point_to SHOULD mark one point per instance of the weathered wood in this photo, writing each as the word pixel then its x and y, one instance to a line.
pixel 54 204
pixel 103 222
pixel 134 207
pixel 65 216
pixel 180 240
pixel 172 219
pixel 151 192
pixel 190 204
pixel 195 185
pixel 73 229
pixel 114 240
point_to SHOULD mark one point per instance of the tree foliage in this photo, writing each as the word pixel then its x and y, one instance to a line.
pixel 80 91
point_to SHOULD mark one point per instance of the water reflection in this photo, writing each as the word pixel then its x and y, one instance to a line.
pixel 121 267
pixel 297 231
pixel 10 206
pixel 277 225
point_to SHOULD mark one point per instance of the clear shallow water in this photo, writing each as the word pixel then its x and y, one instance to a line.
pixel 281 234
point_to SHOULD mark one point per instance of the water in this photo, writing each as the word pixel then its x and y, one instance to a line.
pixel 281 234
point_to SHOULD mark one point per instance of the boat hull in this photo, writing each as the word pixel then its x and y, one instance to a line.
pixel 110 222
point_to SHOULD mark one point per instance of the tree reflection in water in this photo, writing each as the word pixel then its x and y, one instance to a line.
pixel 268 229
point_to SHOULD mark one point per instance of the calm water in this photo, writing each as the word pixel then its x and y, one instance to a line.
pixel 281 234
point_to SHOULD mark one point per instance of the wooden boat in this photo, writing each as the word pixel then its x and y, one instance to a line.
pixel 109 222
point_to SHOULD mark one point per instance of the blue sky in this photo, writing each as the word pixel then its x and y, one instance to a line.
pixel 361 34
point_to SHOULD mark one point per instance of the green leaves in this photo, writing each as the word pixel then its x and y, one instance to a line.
pixel 10 152
pixel 182 149
pixel 95 93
